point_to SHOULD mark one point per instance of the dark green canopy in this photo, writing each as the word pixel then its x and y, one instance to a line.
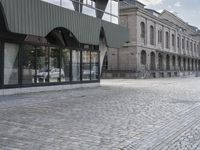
pixel 34 17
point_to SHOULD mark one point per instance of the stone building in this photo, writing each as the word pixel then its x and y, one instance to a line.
pixel 161 45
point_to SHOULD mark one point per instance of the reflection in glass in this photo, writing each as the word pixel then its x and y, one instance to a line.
pixel 94 66
pixel 11 63
pixel 67 3
pixel 42 65
pixel 90 8
pixel 112 9
pixel 54 65
pixel 75 65
pixel 28 64
pixel 86 65
pixel 65 58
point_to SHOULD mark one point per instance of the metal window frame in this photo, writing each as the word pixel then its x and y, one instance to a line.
pixel 20 69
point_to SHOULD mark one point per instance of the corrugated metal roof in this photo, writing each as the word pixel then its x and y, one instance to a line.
pixel 115 35
pixel 38 18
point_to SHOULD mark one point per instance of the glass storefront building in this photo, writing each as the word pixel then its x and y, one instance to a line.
pixel 54 45
pixel 34 65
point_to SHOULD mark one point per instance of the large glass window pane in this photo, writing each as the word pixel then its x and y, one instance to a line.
pixel 54 65
pixel 115 12
pixel 86 65
pixel 112 13
pixel 89 8
pixel 42 65
pixel 65 71
pixel 75 65
pixel 64 3
pixel 11 64
pixel 114 8
pixel 94 66
pixel 106 16
pixel 67 4
pixel 28 64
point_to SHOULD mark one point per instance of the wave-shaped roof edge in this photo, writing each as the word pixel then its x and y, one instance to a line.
pixel 39 18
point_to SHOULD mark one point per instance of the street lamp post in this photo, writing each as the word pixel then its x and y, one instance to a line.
pixel 61 3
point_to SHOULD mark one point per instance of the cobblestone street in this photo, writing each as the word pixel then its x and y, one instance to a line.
pixel 122 114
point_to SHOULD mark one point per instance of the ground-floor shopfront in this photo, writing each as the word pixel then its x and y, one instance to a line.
pixel 52 48
pixel 27 65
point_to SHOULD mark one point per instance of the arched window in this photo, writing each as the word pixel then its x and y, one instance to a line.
pixel 159 36
pixel 188 46
pixel 191 48
pixel 179 63
pixel 183 43
pixel 167 62
pixel 184 64
pixel 153 61
pixel 160 62
pixel 199 65
pixel 142 25
pixel 189 64
pixel 195 48
pixel 151 35
pixel 143 57
pixel 192 64
pixel 178 42
pixel 173 40
pixel 195 64
pixel 167 39
pixel 174 62
pixel 198 49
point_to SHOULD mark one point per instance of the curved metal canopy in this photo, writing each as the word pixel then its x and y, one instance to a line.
pixel 34 17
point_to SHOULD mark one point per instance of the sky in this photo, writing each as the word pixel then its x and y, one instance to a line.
pixel 188 10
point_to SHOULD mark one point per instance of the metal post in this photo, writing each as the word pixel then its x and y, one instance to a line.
pixel 60 3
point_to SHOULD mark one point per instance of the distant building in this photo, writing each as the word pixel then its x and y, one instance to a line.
pixel 47 47
pixel 161 45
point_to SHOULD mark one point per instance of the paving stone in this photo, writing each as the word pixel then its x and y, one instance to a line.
pixel 119 115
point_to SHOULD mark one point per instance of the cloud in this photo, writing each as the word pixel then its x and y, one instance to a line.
pixel 177 4
pixel 160 11
pixel 150 2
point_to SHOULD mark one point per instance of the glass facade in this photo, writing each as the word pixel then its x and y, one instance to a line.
pixel 64 3
pixel 94 66
pixel 27 65
pixel 88 7
pixel 112 12
pixel 65 65
pixel 76 65
pixel 86 71
pixel 11 58
pixel 55 71
pixel 42 71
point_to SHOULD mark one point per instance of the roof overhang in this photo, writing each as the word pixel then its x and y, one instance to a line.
pixel 38 18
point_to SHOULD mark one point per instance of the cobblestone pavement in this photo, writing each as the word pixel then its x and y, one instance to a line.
pixel 120 115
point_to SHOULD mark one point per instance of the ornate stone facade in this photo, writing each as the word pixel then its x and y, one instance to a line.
pixel 160 45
